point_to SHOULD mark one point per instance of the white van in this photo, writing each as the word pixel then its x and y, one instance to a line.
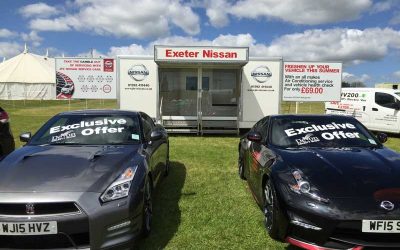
pixel 378 109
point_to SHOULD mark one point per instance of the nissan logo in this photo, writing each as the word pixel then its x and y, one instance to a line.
pixel 108 63
pixel 138 72
pixel 30 209
pixel 261 74
pixel 387 205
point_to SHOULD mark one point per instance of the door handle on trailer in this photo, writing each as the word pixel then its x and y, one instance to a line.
pixel 374 109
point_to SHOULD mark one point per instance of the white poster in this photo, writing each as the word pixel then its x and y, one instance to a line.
pixel 86 78
pixel 261 82
pixel 312 81
pixel 138 84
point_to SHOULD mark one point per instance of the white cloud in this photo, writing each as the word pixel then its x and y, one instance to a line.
pixel 5 33
pixel 395 20
pixel 124 18
pixel 49 25
pixel 32 37
pixel 347 45
pixel 133 49
pixel 221 40
pixel 348 77
pixel 38 10
pixel 95 52
pixel 397 74
pixel 216 11
pixel 9 49
pixel 293 11
pixel 381 6
pixel 350 46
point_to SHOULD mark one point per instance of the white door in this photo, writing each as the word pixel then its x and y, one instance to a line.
pixel 385 113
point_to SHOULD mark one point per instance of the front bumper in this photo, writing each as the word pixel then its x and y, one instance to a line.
pixel 338 225
pixel 112 225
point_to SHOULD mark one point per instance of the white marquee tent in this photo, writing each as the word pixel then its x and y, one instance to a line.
pixel 27 77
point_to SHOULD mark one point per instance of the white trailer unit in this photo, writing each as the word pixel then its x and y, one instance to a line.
pixel 377 108
pixel 201 89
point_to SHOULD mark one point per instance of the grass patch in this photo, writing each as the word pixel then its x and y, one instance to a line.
pixel 203 204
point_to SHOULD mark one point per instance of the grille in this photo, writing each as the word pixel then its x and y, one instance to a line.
pixel 39 208
pixel 45 241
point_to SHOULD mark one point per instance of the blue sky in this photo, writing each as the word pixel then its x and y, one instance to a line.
pixel 364 34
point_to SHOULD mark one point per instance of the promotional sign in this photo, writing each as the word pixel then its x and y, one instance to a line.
pixel 312 81
pixel 85 78
pixel 201 54
pixel 138 84
pixel 260 90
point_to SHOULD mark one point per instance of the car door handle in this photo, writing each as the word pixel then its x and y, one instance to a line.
pixel 374 109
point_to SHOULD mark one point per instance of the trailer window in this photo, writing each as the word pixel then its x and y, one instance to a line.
pixel 385 100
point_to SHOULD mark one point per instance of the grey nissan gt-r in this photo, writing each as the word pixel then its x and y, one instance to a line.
pixel 83 181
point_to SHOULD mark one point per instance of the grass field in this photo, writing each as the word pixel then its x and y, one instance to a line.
pixel 202 204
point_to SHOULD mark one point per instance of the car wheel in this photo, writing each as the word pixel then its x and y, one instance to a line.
pixel 147 209
pixel 241 167
pixel 270 210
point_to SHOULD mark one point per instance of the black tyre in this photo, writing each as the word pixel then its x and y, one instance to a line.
pixel 241 167
pixel 271 211
pixel 147 208
pixel 167 165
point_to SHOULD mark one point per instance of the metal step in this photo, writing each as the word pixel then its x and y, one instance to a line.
pixel 219 131
pixel 182 131
pixel 179 123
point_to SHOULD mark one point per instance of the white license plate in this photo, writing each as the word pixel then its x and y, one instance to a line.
pixel 381 226
pixel 28 228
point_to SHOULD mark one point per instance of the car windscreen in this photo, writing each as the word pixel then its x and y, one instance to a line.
pixel 88 130
pixel 319 131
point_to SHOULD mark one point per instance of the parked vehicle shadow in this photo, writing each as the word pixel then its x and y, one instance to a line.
pixel 166 212
pixel 291 247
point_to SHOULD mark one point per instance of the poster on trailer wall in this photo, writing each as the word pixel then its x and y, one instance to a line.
pixel 85 78
pixel 311 81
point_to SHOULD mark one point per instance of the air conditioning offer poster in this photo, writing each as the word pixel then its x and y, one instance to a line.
pixel 86 78
pixel 312 81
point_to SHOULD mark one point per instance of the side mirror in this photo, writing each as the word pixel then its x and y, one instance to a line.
pixel 156 135
pixel 254 136
pixel 25 137
pixel 382 137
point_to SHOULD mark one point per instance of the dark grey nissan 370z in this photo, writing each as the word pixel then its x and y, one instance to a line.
pixel 83 181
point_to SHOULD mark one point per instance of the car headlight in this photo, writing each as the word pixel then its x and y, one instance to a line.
pixel 120 187
pixel 302 186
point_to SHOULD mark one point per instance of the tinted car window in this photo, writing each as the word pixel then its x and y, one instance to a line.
pixel 319 132
pixel 385 100
pixel 148 126
pixel 88 129
pixel 264 128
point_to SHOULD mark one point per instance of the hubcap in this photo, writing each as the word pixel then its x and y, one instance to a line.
pixel 268 206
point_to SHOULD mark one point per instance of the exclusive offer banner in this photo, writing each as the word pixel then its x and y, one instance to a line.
pixel 312 81
pixel 86 78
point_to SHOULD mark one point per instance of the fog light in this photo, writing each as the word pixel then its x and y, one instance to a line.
pixel 118 226
pixel 305 225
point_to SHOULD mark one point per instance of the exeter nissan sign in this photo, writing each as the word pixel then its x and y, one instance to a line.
pixel 201 54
